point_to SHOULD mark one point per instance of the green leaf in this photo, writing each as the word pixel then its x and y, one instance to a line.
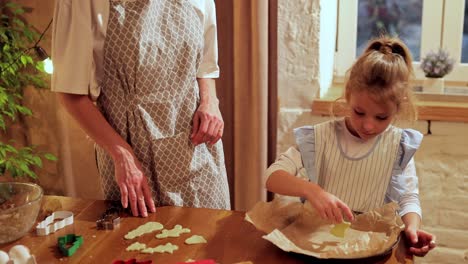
pixel 18 11
pixel 24 60
pixel 12 5
pixel 23 166
pixel 11 149
pixel 18 22
pixel 37 161
pixel 40 66
pixel 24 110
pixel 50 157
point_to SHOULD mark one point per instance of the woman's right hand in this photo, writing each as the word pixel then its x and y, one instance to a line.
pixel 133 183
pixel 128 173
pixel 328 206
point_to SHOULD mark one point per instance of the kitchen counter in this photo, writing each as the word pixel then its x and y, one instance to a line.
pixel 230 238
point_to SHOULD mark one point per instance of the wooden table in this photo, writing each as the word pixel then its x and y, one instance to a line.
pixel 230 238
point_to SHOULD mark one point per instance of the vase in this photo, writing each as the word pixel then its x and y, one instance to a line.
pixel 434 85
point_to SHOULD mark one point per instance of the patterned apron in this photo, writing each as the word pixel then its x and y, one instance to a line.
pixel 149 95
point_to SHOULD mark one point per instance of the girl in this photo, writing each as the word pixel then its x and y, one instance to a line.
pixel 361 162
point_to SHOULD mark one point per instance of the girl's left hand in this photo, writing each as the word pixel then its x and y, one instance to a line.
pixel 421 242
pixel 208 124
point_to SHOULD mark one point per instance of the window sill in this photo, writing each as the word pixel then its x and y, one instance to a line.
pixel 436 107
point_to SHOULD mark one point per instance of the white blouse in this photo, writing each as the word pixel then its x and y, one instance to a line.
pixel 78 35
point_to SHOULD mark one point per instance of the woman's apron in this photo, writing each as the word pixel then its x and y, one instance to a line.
pixel 149 95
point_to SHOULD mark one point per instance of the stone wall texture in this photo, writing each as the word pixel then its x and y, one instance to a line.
pixel 441 161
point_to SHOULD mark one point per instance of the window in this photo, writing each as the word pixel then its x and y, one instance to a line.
pixel 424 25
pixel 465 35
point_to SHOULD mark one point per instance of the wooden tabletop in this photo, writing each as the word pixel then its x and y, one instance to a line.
pixel 230 238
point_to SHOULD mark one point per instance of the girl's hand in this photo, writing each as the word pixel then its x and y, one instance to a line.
pixel 421 242
pixel 133 184
pixel 329 206
pixel 208 124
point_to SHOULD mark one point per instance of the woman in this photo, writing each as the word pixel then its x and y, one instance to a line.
pixel 149 65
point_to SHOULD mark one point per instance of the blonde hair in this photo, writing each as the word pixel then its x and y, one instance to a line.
pixel 384 70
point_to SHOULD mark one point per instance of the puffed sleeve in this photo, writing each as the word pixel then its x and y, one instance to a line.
pixel 305 140
pixel 72 47
pixel 403 187
pixel 409 144
pixel 289 161
pixel 209 65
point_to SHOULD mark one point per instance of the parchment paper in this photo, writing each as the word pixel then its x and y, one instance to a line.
pixel 296 227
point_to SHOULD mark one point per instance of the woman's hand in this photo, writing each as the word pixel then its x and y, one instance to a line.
pixel 328 206
pixel 133 183
pixel 420 242
pixel 208 124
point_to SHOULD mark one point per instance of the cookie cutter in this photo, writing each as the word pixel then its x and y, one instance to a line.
pixel 110 219
pixel 48 226
pixel 74 240
pixel 132 261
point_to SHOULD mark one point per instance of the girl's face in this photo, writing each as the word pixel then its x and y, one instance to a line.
pixel 368 117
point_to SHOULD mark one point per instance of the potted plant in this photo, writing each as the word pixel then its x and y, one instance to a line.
pixel 435 65
pixel 19 68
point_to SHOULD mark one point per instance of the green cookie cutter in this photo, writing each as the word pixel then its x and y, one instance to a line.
pixel 74 240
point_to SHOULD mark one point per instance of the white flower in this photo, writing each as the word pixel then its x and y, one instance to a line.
pixel 437 64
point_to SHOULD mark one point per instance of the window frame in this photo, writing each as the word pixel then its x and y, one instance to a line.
pixel 442 26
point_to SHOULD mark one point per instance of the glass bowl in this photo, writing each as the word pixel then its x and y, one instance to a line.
pixel 19 207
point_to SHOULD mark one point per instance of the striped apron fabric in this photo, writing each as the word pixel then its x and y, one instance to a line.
pixel 359 182
pixel 149 95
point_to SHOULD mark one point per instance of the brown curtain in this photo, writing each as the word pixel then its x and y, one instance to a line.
pixel 243 91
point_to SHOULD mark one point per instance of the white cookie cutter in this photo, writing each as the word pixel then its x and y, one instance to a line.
pixel 46 227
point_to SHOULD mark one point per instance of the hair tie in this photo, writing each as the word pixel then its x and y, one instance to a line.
pixel 386 49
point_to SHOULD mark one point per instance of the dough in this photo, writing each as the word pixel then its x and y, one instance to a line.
pixel 137 246
pixel 169 248
pixel 144 229
pixel 195 239
pixel 175 232
pixel 339 229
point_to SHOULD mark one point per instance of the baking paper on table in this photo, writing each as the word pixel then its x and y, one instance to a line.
pixel 296 227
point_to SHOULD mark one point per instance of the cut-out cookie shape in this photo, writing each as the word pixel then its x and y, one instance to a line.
pixel 339 229
pixel 137 246
pixel 169 248
pixel 175 232
pixel 48 226
pixel 144 229
pixel 195 239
